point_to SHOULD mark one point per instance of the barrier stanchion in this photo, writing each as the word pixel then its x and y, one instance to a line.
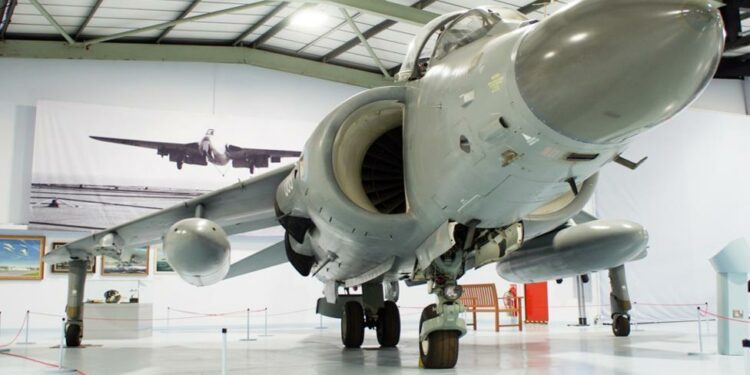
pixel 62 345
pixel 247 328
pixel 320 326
pixel 26 339
pixel 700 333
pixel 223 351
pixel 708 321
pixel 265 322
pixel 167 318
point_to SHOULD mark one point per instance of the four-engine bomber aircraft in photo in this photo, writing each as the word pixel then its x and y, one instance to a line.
pixel 484 151
pixel 206 151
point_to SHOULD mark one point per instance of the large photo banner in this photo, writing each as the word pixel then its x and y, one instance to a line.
pixel 98 166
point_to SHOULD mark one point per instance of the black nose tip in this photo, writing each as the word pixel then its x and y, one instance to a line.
pixel 603 70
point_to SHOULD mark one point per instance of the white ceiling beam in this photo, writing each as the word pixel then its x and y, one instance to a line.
pixel 192 53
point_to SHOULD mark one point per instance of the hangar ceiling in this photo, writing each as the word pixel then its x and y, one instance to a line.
pixel 235 31
pixel 264 33
pixel 736 62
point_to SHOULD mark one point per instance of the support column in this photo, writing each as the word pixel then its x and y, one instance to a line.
pixel 74 308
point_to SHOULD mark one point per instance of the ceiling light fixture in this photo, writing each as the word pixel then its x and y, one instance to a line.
pixel 309 18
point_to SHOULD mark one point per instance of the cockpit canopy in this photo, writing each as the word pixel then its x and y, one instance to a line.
pixel 451 31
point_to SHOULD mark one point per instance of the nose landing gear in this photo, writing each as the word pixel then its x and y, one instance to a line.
pixel 440 325
pixel 439 349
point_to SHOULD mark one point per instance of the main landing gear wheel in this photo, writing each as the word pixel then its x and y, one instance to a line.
pixel 440 348
pixel 389 325
pixel 621 326
pixel 73 336
pixel 353 325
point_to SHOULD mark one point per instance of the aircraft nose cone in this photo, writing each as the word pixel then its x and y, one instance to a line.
pixel 601 71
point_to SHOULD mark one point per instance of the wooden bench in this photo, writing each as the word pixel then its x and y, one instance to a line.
pixel 483 298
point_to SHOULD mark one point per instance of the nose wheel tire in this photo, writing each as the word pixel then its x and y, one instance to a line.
pixel 73 335
pixel 389 325
pixel 440 349
pixel 353 325
pixel 621 326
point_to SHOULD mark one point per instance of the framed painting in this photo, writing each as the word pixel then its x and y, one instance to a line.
pixel 162 265
pixel 64 268
pixel 134 262
pixel 21 257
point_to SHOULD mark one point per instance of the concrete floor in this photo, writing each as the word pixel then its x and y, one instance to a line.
pixel 652 349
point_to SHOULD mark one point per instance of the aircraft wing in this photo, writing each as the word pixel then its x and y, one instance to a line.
pixel 242 207
pixel 188 153
pixel 268 257
pixel 256 157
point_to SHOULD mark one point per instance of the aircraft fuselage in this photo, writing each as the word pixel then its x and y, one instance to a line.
pixel 479 146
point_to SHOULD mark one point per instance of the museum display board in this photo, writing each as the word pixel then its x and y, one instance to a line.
pixel 98 166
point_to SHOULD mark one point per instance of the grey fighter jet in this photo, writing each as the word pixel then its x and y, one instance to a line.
pixel 484 151
pixel 205 151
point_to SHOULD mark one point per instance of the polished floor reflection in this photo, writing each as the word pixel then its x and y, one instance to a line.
pixel 651 349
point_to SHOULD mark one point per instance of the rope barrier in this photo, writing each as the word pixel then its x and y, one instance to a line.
pixel 38 361
pixel 671 304
pixel 242 313
pixel 722 317
pixel 193 315
pixel 215 314
pixel 18 334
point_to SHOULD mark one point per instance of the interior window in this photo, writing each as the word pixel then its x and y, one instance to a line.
pixel 463 31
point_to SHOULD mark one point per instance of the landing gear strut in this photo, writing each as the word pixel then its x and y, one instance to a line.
pixel 74 309
pixel 620 302
pixel 440 326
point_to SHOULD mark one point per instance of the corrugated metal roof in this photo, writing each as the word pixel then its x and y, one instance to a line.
pixel 117 16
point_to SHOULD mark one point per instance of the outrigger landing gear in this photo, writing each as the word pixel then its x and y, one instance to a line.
pixel 373 313
pixel 620 301
pixel 74 309
pixel 440 326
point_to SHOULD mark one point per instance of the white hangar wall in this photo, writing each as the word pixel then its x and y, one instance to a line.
pixel 692 197
pixel 201 88
pixel 212 89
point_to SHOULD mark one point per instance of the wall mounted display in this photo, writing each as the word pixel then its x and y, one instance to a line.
pixel 64 267
pixel 162 265
pixel 134 262
pixel 21 257
pixel 98 166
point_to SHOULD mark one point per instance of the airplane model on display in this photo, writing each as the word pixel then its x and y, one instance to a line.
pixel 484 151
pixel 205 151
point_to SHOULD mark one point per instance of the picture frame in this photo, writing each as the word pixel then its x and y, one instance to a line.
pixel 21 257
pixel 64 267
pixel 138 265
pixel 162 265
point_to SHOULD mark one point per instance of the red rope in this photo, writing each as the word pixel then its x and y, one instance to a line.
pixel 25 320
pixel 194 315
pixel 671 304
pixel 706 312
pixel 38 361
